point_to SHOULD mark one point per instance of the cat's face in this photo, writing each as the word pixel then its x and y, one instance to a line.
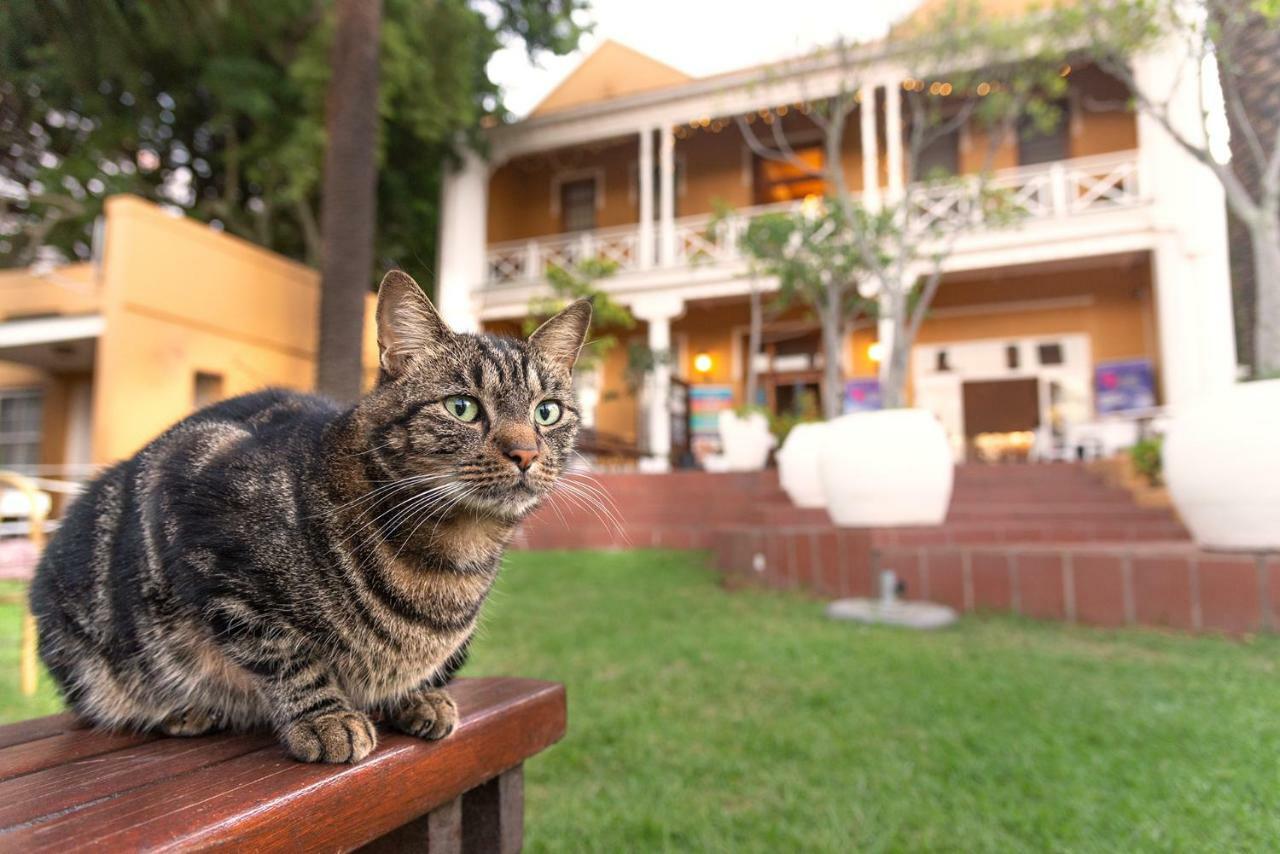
pixel 482 422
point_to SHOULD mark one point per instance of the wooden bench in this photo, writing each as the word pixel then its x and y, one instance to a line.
pixel 67 788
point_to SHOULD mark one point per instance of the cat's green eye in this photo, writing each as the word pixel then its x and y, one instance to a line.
pixel 462 407
pixel 547 413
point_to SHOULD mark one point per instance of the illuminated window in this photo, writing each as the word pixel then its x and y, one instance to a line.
pixel 779 181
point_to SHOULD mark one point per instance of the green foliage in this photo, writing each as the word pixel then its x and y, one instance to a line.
pixel 806 250
pixel 806 411
pixel 218 109
pixel 1148 461
pixel 608 317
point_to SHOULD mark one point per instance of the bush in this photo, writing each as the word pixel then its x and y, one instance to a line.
pixel 1147 460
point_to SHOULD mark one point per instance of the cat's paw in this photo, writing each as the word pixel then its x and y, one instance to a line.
pixel 431 715
pixel 188 722
pixel 332 737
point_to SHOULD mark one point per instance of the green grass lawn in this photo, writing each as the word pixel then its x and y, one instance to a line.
pixel 703 720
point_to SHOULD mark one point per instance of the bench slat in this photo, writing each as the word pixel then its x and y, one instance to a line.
pixel 52 790
pixel 38 728
pixel 51 751
pixel 264 800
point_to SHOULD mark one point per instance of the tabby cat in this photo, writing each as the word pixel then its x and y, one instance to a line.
pixel 275 560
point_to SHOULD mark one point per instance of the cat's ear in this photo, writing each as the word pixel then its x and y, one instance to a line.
pixel 409 327
pixel 560 339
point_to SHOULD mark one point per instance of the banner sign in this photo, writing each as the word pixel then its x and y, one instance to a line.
pixel 1124 386
pixel 706 402
pixel 862 396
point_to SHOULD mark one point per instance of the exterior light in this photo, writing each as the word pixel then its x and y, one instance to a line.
pixel 984 89
pixel 875 352
pixel 944 89
pixel 702 363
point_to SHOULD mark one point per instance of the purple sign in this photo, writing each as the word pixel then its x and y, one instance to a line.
pixel 1124 386
pixel 862 396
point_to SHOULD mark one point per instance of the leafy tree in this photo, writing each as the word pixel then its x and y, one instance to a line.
pixel 1225 31
pixel 608 317
pixel 814 257
pixel 217 108
pixel 993 73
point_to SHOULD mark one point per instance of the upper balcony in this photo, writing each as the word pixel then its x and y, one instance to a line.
pixel 1045 193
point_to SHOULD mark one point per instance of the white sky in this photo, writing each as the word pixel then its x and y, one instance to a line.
pixel 700 37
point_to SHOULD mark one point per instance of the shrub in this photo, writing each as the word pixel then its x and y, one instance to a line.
pixel 1147 460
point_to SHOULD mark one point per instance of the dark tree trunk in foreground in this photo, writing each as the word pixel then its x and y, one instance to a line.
pixel 349 203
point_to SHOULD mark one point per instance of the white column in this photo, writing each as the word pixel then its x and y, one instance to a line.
pixel 658 312
pixel 870 148
pixel 667 196
pixel 645 184
pixel 1191 269
pixel 463 244
pixel 893 138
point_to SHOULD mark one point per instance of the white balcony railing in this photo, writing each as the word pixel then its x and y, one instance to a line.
pixel 1045 192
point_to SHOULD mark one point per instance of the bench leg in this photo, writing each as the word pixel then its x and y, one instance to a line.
pixel 489 819
pixel 437 832
pixel 493 815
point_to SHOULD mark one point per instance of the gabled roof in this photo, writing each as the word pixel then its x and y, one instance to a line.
pixel 612 70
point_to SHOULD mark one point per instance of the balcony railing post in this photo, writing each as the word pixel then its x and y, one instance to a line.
pixel 1058 195
pixel 586 247
pixel 532 260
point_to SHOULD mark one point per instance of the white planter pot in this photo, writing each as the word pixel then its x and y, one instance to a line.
pixel 886 468
pixel 1222 465
pixel 798 466
pixel 745 442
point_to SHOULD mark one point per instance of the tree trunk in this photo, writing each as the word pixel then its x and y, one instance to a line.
pixel 753 343
pixel 832 318
pixel 349 205
pixel 893 391
pixel 1265 240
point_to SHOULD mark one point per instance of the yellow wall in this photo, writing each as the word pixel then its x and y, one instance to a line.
pixel 179 298
pixel 72 289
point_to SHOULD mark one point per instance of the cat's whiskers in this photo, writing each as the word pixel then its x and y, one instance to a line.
pixel 407 507
pixel 592 503
pixel 390 485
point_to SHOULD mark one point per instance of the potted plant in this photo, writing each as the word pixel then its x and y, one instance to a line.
pixel 843 251
pixel 1221 459
pixel 745 440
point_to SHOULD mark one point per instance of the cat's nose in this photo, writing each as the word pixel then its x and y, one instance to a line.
pixel 522 457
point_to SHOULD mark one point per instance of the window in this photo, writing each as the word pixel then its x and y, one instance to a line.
pixel 207 389
pixel 1050 354
pixel 1038 146
pixel 1011 357
pixel 778 181
pixel 943 363
pixel 578 204
pixel 20 420
pixel 940 157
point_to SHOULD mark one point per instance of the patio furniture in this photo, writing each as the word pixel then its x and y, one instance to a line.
pixel 67 788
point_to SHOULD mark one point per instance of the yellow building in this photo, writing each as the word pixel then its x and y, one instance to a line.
pixel 97 358
pixel 1117 273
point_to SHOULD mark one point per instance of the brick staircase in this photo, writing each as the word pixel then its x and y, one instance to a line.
pixel 1049 541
